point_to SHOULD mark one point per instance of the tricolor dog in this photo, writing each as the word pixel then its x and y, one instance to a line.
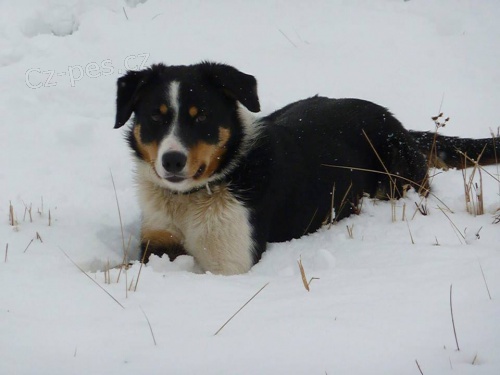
pixel 218 183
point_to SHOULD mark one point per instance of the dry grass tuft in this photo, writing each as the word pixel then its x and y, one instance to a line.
pixel 421 187
pixel 350 232
pixel 494 137
pixel 107 273
pixel 12 220
pixel 125 263
pixel 433 159
pixel 140 267
pixel 307 284
pixel 473 191
pixel 27 210
pixel 496 220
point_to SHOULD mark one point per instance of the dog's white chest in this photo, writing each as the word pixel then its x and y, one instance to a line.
pixel 213 226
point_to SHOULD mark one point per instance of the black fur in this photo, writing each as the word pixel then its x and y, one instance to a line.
pixel 301 153
pixel 450 150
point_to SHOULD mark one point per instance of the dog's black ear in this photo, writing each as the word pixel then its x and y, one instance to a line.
pixel 127 93
pixel 238 85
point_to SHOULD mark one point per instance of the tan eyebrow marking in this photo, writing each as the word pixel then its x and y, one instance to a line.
pixel 163 109
pixel 193 111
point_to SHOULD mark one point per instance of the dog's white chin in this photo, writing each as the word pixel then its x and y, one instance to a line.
pixel 183 186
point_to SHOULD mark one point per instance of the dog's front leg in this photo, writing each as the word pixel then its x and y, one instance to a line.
pixel 159 242
pixel 219 236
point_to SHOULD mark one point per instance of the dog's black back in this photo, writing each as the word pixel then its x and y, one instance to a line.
pixel 317 149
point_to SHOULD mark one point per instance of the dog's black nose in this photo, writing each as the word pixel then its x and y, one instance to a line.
pixel 173 161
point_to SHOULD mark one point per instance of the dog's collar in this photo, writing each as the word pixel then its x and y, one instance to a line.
pixel 208 186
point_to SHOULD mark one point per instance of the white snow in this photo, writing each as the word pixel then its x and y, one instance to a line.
pixel 381 303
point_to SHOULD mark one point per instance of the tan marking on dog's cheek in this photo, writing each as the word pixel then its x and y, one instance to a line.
pixel 208 155
pixel 199 155
pixel 163 109
pixel 148 151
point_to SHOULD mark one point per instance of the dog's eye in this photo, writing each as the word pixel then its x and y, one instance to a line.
pixel 156 118
pixel 201 118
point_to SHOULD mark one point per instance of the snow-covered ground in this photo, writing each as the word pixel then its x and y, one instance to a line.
pixel 382 301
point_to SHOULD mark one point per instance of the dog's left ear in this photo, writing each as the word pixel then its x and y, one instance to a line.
pixel 236 84
pixel 127 92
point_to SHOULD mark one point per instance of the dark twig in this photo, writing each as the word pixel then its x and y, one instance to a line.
pixel 485 283
pixel 287 38
pixel 452 317
pixel 28 245
pixel 419 369
pixel 149 324
pixel 241 308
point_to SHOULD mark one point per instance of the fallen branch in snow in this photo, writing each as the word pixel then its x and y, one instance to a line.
pixel 241 308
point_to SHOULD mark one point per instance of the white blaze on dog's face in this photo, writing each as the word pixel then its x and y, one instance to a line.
pixel 187 128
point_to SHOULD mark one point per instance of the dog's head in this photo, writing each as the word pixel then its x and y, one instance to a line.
pixel 187 123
